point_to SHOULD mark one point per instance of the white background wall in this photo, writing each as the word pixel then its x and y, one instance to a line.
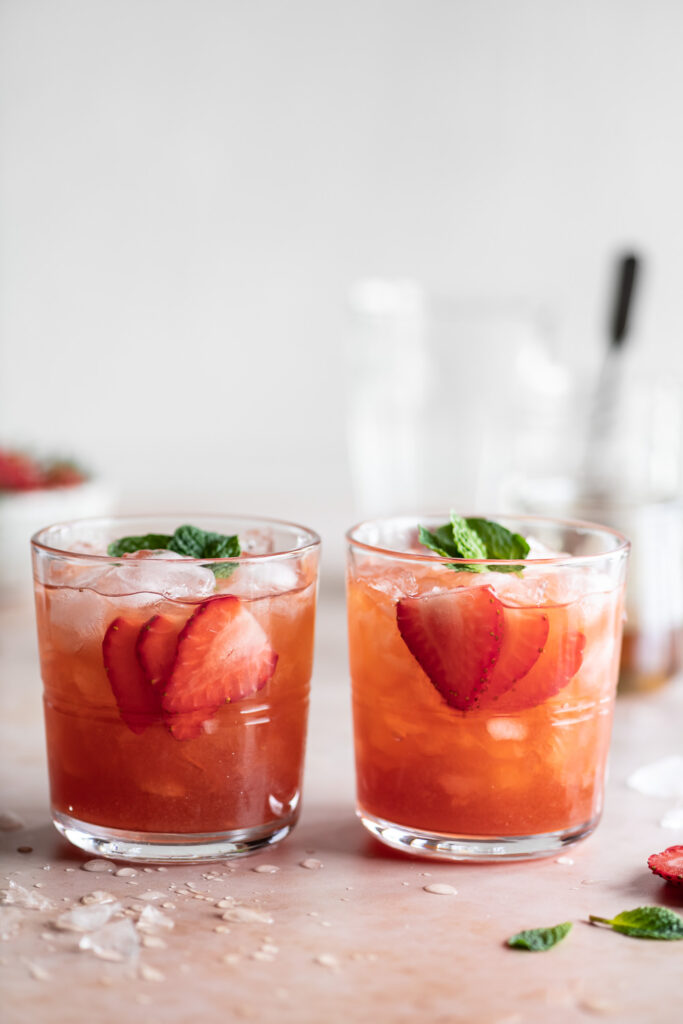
pixel 188 187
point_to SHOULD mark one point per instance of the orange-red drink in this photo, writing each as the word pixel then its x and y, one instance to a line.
pixel 175 687
pixel 483 690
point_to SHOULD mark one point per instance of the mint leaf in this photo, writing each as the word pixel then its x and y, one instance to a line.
pixel 219 546
pixel 468 542
pixel 539 939
pixel 440 541
pixel 476 539
pixel 645 923
pixel 189 541
pixel 499 541
pixel 127 545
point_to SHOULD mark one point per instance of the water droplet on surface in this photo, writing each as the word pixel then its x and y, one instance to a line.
pixel 103 866
pixel 564 860
pixel 126 873
pixel 149 973
pixel 266 869
pixel 440 889
pixel 39 973
pixel 326 960
pixel 98 896
pixel 311 864
pixel 246 915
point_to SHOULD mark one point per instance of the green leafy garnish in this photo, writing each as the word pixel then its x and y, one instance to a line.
pixel 189 541
pixel 645 923
pixel 127 545
pixel 477 539
pixel 538 939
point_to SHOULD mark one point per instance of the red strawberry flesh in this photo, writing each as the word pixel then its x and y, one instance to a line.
pixel 223 656
pixel 456 638
pixel 554 669
pixel 156 648
pixel 668 864
pixel 139 703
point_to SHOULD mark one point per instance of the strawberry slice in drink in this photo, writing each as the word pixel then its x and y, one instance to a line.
pixel 139 703
pixel 554 669
pixel 156 648
pixel 456 638
pixel 223 656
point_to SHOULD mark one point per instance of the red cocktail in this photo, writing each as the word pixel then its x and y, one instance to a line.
pixel 175 687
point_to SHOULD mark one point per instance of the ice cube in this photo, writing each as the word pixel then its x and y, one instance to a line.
pixel 261 579
pixel 87 918
pixel 116 941
pixel 165 573
pixel 21 897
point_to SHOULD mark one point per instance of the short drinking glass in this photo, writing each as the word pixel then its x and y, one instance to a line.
pixel 483 692
pixel 175 683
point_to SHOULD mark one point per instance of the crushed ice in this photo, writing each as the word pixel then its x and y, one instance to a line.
pixel 662 778
pixel 18 896
pixel 152 920
pixel 116 941
pixel 87 918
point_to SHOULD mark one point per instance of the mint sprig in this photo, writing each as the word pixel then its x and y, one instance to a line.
pixel 149 542
pixel 539 939
pixel 476 539
pixel 189 541
pixel 645 923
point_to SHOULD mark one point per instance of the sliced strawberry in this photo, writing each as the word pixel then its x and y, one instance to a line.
pixel 156 648
pixel 668 864
pixel 139 703
pixel 525 635
pixel 223 656
pixel 556 666
pixel 456 639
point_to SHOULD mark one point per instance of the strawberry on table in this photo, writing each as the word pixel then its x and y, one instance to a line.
pixel 223 656
pixel 668 864
pixel 139 703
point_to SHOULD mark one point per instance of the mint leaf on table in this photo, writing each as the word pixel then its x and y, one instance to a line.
pixel 189 541
pixel 539 939
pixel 476 539
pixel 127 545
pixel 645 923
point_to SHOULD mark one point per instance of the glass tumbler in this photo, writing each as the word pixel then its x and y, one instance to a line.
pixel 483 692
pixel 175 689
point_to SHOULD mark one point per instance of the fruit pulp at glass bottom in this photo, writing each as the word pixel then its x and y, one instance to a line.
pixel 425 765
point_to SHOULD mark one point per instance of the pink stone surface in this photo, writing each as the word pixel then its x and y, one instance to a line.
pixel 360 938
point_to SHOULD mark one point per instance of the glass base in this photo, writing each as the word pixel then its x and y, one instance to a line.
pixel 474 848
pixel 176 848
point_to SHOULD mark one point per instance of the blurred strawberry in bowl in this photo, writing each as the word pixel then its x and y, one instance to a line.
pixel 35 492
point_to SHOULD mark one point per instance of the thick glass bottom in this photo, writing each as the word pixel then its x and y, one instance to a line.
pixel 176 848
pixel 474 848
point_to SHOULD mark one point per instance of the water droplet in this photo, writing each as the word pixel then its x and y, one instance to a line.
pixel 326 960
pixel 98 865
pixel 311 863
pixel 266 869
pixel 149 973
pixel 440 889
pixel 126 873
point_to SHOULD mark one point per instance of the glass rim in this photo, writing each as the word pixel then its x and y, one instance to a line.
pixel 623 544
pixel 311 543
